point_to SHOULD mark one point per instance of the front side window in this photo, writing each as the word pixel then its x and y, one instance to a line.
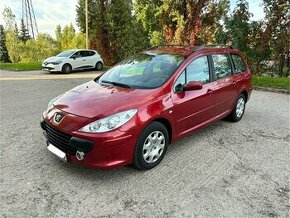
pixel 239 65
pixel 66 53
pixel 197 70
pixel 222 67
pixel 76 55
pixel 143 70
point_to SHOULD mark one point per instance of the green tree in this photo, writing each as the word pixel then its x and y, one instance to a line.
pixel 79 40
pixel 12 44
pixel 67 38
pixel 181 21
pixel 238 26
pixel 36 50
pixel 277 22
pixel 9 19
pixel 12 40
pixel 113 29
pixel 259 48
pixel 3 49
pixel 23 34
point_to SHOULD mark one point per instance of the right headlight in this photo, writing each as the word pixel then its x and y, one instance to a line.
pixel 109 123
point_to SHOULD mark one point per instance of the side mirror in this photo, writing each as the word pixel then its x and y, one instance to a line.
pixel 194 85
pixel 73 57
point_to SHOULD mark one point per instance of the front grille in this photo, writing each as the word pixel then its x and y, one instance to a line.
pixel 59 139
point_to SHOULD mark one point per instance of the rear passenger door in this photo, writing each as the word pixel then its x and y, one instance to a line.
pixel 84 58
pixel 91 59
pixel 224 84
pixel 240 71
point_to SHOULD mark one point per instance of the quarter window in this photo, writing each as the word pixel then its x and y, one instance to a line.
pixel 222 66
pixel 239 65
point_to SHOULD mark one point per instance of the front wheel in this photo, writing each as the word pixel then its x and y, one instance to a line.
pixel 151 146
pixel 239 109
pixel 66 68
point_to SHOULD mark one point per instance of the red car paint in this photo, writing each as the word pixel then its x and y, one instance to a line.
pixel 182 113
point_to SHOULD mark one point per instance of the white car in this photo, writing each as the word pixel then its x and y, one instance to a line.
pixel 76 59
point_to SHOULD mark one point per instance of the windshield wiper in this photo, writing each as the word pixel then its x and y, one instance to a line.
pixel 116 84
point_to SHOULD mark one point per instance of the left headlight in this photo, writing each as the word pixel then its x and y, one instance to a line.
pixel 109 123
pixel 56 62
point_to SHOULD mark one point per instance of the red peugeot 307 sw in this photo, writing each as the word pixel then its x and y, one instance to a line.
pixel 133 111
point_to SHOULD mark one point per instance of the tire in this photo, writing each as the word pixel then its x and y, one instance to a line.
pixel 151 146
pixel 66 68
pixel 239 109
pixel 99 66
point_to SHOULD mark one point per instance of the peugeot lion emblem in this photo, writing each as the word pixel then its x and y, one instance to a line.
pixel 57 118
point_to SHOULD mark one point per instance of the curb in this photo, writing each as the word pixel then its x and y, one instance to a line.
pixel 267 89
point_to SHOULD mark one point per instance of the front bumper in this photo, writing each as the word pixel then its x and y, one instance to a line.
pixel 51 67
pixel 105 150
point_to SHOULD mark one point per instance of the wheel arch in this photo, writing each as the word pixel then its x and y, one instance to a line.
pixel 245 93
pixel 167 125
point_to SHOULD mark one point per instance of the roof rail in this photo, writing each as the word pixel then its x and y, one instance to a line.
pixel 165 46
pixel 211 46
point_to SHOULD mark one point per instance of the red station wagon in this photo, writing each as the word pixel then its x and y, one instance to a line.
pixel 131 113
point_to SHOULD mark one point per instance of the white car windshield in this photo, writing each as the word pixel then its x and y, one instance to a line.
pixel 66 53
pixel 142 71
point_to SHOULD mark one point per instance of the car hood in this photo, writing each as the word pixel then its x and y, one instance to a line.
pixel 53 59
pixel 92 100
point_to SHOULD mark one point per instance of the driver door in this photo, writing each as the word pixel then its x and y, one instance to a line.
pixel 193 108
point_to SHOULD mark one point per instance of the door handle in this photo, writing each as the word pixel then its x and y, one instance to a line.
pixel 234 82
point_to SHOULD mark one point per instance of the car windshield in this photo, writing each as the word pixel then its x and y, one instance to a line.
pixel 66 53
pixel 144 71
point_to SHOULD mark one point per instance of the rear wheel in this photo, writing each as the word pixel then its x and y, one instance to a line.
pixel 239 109
pixel 66 68
pixel 151 146
pixel 99 66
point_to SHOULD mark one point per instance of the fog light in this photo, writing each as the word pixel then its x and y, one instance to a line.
pixel 80 155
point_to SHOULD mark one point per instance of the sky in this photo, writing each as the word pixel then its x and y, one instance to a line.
pixel 50 13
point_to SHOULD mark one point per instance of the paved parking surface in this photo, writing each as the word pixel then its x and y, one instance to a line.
pixel 228 169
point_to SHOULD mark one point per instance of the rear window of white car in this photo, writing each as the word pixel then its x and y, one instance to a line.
pixel 87 53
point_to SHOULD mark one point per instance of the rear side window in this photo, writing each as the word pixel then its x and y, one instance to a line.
pixel 222 67
pixel 91 53
pixel 239 65
pixel 87 53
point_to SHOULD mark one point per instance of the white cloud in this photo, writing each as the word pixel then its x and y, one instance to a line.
pixel 48 13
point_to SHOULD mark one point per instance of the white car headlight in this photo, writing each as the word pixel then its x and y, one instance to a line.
pixel 56 62
pixel 109 123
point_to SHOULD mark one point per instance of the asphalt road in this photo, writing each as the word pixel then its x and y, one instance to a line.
pixel 225 170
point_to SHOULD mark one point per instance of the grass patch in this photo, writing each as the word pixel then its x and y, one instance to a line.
pixel 271 82
pixel 28 66
pixel 20 66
